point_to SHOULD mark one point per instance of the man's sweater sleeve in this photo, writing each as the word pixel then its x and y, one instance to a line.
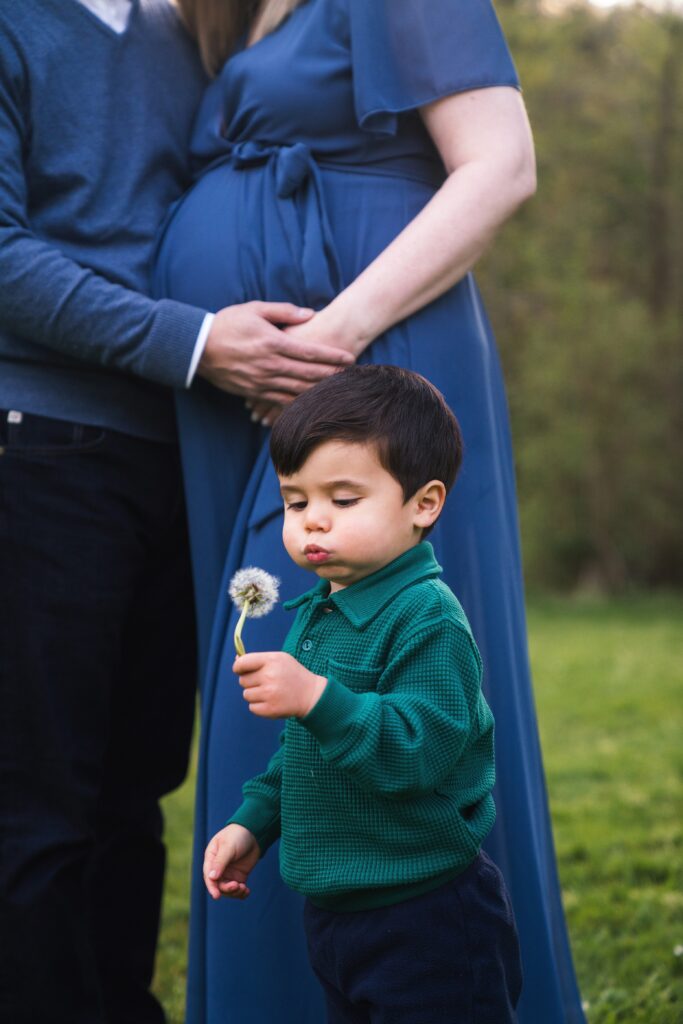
pixel 260 810
pixel 51 300
pixel 403 738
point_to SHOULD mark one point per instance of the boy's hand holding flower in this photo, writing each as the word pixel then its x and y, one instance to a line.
pixel 275 685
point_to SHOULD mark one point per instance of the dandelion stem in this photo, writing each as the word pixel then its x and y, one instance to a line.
pixel 239 646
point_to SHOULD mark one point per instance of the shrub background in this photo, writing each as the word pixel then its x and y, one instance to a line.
pixel 585 291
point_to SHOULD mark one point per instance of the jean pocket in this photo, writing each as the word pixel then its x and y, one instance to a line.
pixel 25 434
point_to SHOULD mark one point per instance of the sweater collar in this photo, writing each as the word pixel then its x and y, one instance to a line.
pixel 362 601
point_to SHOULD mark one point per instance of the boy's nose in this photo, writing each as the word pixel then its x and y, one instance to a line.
pixel 316 520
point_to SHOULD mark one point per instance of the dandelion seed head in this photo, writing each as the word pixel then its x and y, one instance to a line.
pixel 257 587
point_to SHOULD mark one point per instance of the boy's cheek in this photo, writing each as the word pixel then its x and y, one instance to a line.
pixel 289 541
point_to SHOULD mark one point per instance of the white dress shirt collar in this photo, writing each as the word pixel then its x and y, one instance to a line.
pixel 114 13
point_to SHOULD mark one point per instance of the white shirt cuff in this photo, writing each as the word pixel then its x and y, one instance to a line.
pixel 199 348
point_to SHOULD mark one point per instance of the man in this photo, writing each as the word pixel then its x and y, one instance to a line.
pixel 96 624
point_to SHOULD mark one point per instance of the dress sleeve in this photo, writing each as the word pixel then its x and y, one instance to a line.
pixel 407 53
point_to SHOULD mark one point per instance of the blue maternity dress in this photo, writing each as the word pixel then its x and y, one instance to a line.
pixel 312 157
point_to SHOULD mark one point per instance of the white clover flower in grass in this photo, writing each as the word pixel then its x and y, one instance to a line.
pixel 255 591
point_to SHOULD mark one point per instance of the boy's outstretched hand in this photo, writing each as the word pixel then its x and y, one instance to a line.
pixel 229 858
pixel 275 685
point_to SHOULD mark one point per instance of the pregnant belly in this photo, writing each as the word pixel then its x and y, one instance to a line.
pixel 232 239
pixel 198 258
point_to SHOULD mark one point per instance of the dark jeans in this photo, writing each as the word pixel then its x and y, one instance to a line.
pixel 449 956
pixel 97 683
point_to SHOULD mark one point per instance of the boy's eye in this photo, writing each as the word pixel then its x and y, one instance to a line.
pixel 296 506
pixel 345 502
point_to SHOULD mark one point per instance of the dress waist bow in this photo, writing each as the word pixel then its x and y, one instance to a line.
pixel 284 224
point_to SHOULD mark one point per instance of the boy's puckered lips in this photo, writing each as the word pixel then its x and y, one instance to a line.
pixel 314 553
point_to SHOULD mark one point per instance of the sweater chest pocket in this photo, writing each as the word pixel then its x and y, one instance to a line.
pixel 360 680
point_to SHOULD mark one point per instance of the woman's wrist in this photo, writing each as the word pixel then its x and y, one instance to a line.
pixel 346 325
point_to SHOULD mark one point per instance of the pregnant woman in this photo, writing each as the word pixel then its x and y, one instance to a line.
pixel 354 156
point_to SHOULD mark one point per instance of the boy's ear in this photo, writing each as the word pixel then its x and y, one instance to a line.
pixel 428 502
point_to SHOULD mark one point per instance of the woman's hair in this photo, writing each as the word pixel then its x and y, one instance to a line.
pixel 416 435
pixel 218 24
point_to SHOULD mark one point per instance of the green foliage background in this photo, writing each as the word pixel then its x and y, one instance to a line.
pixel 585 291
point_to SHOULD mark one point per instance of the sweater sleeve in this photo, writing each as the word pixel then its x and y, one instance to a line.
pixel 404 737
pixel 49 299
pixel 260 809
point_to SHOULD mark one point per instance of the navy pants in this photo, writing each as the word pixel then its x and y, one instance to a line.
pixel 449 956
pixel 97 673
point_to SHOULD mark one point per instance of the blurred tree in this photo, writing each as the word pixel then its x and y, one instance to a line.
pixel 585 289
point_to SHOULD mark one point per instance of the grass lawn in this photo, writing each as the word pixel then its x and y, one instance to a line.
pixel 609 690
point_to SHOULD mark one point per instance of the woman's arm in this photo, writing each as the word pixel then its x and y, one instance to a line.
pixel 485 142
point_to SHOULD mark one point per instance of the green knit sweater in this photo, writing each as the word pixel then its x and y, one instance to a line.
pixel 384 789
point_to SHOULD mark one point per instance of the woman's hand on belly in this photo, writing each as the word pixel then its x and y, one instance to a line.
pixel 318 331
pixel 247 353
pixel 264 413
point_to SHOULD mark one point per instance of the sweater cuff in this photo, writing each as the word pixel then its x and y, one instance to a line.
pixel 261 818
pixel 337 711
pixel 172 342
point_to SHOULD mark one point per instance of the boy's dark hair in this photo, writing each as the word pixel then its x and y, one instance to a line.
pixel 417 436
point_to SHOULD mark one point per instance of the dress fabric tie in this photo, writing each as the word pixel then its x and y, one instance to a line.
pixel 286 219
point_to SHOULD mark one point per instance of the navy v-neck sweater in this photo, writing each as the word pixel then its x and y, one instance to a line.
pixel 94 130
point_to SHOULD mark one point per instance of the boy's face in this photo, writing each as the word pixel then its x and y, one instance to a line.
pixel 345 515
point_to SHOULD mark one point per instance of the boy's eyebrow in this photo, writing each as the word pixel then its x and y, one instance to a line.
pixel 329 484
pixel 343 483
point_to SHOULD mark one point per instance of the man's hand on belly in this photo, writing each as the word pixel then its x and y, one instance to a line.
pixel 247 353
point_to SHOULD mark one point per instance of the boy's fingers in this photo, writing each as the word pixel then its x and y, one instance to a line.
pixel 263 710
pixel 249 681
pixel 210 877
pixel 232 886
pixel 248 663
pixel 209 858
pixel 253 695
pixel 239 893
pixel 254 660
pixel 211 886
pixel 215 861
pixel 213 892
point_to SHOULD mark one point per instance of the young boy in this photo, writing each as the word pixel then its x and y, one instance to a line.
pixel 381 789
